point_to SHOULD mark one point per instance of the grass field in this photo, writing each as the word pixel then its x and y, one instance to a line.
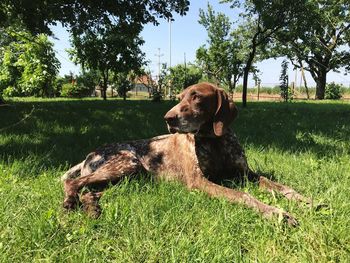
pixel 305 145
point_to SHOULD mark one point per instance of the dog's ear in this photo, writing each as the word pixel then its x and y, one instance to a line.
pixel 226 112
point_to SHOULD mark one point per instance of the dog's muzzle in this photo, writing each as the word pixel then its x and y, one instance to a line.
pixel 180 124
pixel 172 121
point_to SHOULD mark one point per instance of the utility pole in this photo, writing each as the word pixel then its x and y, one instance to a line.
pixel 170 93
pixel 185 70
pixel 169 43
pixel 159 64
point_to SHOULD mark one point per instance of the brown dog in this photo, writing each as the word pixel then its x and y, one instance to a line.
pixel 200 152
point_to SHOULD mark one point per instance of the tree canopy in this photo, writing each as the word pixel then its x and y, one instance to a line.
pixel 105 34
pixel 109 48
pixel 181 76
pixel 258 28
pixel 79 15
pixel 222 57
pixel 318 37
pixel 28 65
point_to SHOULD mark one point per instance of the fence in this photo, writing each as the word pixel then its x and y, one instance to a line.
pixel 272 91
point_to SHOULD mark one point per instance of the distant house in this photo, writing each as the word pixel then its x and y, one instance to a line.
pixel 143 83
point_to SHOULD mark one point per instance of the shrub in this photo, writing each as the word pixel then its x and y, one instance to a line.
pixel 67 89
pixel 70 90
pixel 123 84
pixel 156 95
pixel 87 81
pixel 10 91
pixel 333 91
pixel 286 92
pixel 74 90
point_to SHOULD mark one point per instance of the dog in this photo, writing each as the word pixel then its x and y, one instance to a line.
pixel 200 152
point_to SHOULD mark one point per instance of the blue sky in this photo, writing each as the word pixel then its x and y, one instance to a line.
pixel 187 35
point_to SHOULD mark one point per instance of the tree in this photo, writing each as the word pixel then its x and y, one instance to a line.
pixel 91 22
pixel 109 48
pixel 222 59
pixel 88 80
pixel 159 89
pixel 123 83
pixel 319 38
pixel 9 72
pixel 259 27
pixel 284 80
pixel 80 85
pixel 28 65
pixel 182 76
pixel 80 15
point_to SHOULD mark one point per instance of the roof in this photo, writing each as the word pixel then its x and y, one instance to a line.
pixel 144 79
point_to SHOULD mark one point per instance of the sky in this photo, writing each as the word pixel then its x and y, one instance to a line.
pixel 187 35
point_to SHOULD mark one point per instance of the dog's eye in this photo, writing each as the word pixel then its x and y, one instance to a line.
pixel 196 97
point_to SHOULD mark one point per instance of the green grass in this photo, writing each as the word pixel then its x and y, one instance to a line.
pixel 305 145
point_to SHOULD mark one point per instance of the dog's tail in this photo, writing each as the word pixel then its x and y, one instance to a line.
pixel 73 172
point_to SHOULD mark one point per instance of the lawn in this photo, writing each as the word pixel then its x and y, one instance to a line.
pixel 303 144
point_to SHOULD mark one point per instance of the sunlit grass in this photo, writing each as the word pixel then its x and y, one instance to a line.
pixel 305 145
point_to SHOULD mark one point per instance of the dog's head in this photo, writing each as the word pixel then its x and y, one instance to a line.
pixel 203 109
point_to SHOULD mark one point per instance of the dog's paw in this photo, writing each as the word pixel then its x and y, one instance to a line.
pixel 281 215
pixel 91 205
pixel 289 219
pixel 71 203
pixel 92 210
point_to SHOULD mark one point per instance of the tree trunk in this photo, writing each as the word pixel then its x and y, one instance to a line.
pixel 245 85
pixel 46 92
pixel 246 74
pixel 249 64
pixel 1 100
pixel 305 83
pixel 230 87
pixel 104 85
pixel 104 89
pixel 234 84
pixel 321 83
pixel 235 79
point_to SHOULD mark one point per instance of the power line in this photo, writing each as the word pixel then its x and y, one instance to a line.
pixel 58 53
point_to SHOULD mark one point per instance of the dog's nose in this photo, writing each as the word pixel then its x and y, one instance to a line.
pixel 171 118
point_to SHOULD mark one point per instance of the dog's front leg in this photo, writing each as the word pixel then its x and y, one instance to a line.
pixel 272 186
pixel 238 197
pixel 286 191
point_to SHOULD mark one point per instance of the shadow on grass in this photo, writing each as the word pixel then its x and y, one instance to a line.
pixel 321 128
pixel 61 133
